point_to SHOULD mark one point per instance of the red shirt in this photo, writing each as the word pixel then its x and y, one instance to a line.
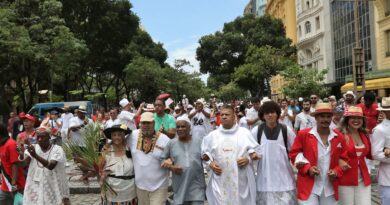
pixel 8 157
pixel 371 115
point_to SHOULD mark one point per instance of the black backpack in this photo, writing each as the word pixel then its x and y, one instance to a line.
pixel 284 133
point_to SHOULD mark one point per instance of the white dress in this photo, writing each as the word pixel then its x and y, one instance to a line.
pixel 235 186
pixel 125 189
pixel 44 186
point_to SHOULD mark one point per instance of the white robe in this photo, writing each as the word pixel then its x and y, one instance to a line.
pixel 235 186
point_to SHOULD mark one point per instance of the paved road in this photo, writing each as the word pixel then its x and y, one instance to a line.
pixel 94 199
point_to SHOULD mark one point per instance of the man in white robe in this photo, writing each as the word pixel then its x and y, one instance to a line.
pixel 229 152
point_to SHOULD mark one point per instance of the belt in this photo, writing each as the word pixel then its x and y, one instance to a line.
pixel 122 177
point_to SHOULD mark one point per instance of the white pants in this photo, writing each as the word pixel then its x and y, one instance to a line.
pixel 158 197
pixel 355 195
pixel 314 199
pixel 385 194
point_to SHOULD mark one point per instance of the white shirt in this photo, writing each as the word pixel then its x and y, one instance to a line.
pixel 286 120
pixel 111 122
pixel 379 140
pixel 149 175
pixel 243 123
pixel 322 182
pixel 303 120
pixel 76 136
pixel 253 114
pixel 201 125
pixel 127 118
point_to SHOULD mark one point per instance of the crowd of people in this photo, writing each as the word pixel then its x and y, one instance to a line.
pixel 295 151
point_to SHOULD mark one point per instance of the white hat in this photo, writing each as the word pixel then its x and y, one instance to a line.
pixel 184 118
pixel 201 100
pixel 265 99
pixel 177 107
pixel 147 117
pixel 82 109
pixel 220 104
pixel 349 92
pixel 149 108
pixel 300 99
pixel 385 105
pixel 124 102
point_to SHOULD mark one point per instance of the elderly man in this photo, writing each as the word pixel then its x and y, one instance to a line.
pixel 200 119
pixel 380 148
pixel 228 151
pixel 147 146
pixel 316 152
pixel 182 157
pixel 46 180
pixel 164 122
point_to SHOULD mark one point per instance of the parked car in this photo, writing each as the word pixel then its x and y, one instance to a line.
pixel 39 110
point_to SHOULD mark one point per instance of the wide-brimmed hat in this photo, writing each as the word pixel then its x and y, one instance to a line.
pixel 124 102
pixel 147 117
pixel 385 105
pixel 322 108
pixel 82 109
pixel 349 92
pixel 353 111
pixel 120 127
pixel 200 101
pixel 149 108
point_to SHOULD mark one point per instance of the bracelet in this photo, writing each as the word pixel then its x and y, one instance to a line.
pixel 20 159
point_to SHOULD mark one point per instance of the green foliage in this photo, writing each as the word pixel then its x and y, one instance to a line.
pixel 304 82
pixel 247 46
pixel 231 92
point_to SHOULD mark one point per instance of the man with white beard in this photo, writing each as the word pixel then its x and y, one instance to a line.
pixel 229 152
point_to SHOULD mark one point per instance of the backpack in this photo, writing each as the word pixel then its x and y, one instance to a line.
pixel 284 133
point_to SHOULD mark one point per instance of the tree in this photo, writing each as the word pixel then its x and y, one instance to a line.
pixel 231 92
pixel 220 54
pixel 303 82
pixel 260 64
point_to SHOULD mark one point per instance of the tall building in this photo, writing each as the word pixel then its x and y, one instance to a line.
pixel 314 35
pixel 261 5
pixel 250 8
pixel 376 46
pixel 284 10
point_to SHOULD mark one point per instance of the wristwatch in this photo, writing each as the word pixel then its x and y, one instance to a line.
pixel 14 186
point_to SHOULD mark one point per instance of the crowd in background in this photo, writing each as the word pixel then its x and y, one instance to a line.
pixel 294 151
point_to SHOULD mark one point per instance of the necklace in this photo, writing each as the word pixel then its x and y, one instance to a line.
pixel 47 158
pixel 147 146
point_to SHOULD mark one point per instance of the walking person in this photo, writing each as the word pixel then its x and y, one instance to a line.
pixel 355 184
pixel 229 152
pixel 46 180
pixel 316 153
pixel 380 146
pixel 182 157
pixel 275 180
pixel 12 177
pixel 120 168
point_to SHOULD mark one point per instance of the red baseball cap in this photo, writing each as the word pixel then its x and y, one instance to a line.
pixel 29 117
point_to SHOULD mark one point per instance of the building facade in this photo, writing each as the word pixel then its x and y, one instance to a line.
pixel 314 34
pixel 284 10
pixel 378 61
pixel 261 6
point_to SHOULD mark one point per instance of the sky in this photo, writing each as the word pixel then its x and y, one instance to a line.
pixel 179 24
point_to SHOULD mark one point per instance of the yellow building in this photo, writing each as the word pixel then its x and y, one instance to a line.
pixel 379 79
pixel 284 10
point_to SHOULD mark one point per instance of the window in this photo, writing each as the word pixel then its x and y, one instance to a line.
pixel 388 43
pixel 318 22
pixel 299 31
pixel 387 10
pixel 308 54
pixel 307 4
pixel 308 27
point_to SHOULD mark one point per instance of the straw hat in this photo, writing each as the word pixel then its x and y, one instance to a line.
pixel 122 127
pixel 354 111
pixel 385 105
pixel 322 108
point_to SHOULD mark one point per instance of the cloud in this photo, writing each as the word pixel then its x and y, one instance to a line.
pixel 189 53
